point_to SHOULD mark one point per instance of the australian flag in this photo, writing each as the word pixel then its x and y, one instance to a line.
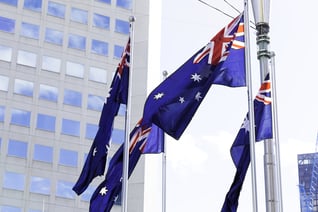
pixel 142 140
pixel 174 102
pixel 96 159
pixel 240 150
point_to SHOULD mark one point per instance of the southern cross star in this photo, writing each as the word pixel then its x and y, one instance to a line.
pixel 159 95
pixel 196 77
pixel 103 191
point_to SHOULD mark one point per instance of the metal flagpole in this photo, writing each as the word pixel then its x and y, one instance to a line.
pixel 250 103
pixel 127 122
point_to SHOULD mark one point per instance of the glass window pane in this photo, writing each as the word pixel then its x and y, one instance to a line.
pixel 46 122
pixel 68 157
pixel 56 9
pixel 87 194
pixel 51 64
pixel 122 26
pixel 43 153
pixel 14 181
pixel 127 4
pixel 118 51
pixel 91 130
pixel 100 47
pixel 75 69
pixel 2 112
pixel 49 93
pixel 30 30
pixel 73 98
pixel 70 127
pixel 5 52
pixel 26 58
pixel 98 75
pixel 34 5
pixel 17 148
pixel 7 24
pixel 20 117
pixel 101 21
pixel 53 36
pixel 122 110
pixel 40 185
pixel 95 102
pixel 10 2
pixel 64 189
pixel 104 1
pixel 76 42
pixel 79 15
pixel 4 83
pixel 23 87
pixel 7 208
pixel 118 136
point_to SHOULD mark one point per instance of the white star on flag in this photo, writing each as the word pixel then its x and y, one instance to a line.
pixel 103 191
pixel 94 151
pixel 198 96
pixel 196 77
pixel 159 95
pixel 181 99
pixel 246 124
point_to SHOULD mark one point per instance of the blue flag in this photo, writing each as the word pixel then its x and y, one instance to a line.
pixel 109 190
pixel 174 102
pixel 240 150
pixel 96 159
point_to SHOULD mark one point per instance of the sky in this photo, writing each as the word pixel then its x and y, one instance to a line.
pixel 199 166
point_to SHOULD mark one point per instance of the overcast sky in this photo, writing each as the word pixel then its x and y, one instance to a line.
pixel 199 166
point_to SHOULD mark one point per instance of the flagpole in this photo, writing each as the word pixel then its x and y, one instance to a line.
pixel 250 103
pixel 127 121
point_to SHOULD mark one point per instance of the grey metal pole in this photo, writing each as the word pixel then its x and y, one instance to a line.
pixel 250 103
pixel 164 165
pixel 127 122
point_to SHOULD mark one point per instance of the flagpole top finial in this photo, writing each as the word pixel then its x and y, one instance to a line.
pixel 165 73
pixel 132 18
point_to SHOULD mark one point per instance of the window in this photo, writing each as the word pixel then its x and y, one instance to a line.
pixel 101 21
pixel 30 30
pixel 91 130
pixel 79 15
pixel 56 9
pixel 35 5
pixel 46 122
pixel 43 153
pixel 20 117
pixel 98 75
pixel 122 26
pixel 10 2
pixel 40 185
pixel 14 181
pixel 127 4
pixel 70 127
pixel 2 112
pixel 118 51
pixel 51 64
pixel 64 189
pixel 17 148
pixel 23 87
pixel 73 98
pixel 68 158
pixel 5 53
pixel 4 83
pixel 87 194
pixel 48 93
pixel 76 42
pixel 26 58
pixel 7 24
pixel 95 102
pixel 74 69
pixel 105 1
pixel 7 208
pixel 54 36
pixel 122 110
pixel 100 47
pixel 118 136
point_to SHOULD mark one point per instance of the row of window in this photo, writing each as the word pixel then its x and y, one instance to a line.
pixel 56 37
pixel 48 123
pixel 36 5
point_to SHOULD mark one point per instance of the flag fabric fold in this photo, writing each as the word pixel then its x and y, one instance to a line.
pixel 109 190
pixel 240 150
pixel 174 102
pixel 96 159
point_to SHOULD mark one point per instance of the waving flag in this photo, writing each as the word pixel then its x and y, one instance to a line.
pixel 173 103
pixel 97 156
pixel 108 191
pixel 240 150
